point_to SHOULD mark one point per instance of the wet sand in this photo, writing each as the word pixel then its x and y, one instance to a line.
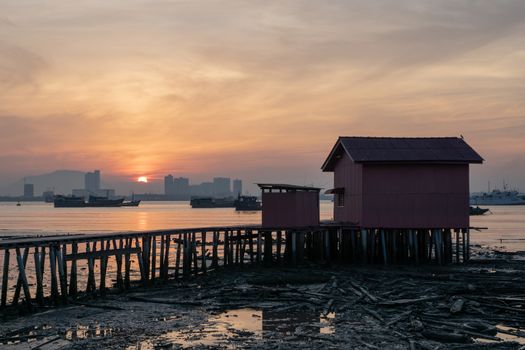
pixel 479 305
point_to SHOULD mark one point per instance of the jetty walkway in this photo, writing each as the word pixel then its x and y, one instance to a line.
pixel 56 270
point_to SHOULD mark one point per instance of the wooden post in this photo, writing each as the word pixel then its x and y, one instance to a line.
pixel 177 259
pixel 19 280
pixel 118 258
pixel 294 247
pixel 416 245
pixel 167 258
pixel 161 257
pixel 238 247
pixel 364 245
pixel 54 283
pixel 279 242
pixel 326 239
pixel 215 257
pixel 102 268
pixel 457 245
pixel 140 260
pixel 73 289
pixel 61 273
pixel 5 278
pixel 383 246
pixel 194 251
pixel 22 274
pixel 468 244
pixel 259 248
pixel 268 247
pixel 250 240
pixel 153 258
pixel 127 264
pixel 226 248
pixel 203 252
pixel 39 278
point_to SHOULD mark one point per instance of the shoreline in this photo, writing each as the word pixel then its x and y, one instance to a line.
pixel 311 306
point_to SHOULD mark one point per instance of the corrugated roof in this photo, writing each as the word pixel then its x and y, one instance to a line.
pixel 403 150
pixel 287 187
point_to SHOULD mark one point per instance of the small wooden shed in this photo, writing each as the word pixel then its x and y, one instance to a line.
pixel 405 183
pixel 289 205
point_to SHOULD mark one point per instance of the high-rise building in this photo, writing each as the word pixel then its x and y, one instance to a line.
pixel 168 185
pixel 29 190
pixel 181 188
pixel 221 187
pixel 237 187
pixel 92 181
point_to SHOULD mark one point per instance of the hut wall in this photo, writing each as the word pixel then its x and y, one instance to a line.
pixel 349 175
pixel 290 209
pixel 415 196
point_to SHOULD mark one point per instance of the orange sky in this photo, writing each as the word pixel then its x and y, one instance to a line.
pixel 255 89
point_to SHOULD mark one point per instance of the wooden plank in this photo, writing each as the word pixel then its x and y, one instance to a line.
pixel 5 278
pixel 127 264
pixel 153 258
pixel 22 274
pixel 215 258
pixel 118 258
pixel 102 270
pixel 161 257
pixel 194 252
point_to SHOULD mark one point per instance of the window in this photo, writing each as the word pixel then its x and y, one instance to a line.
pixel 340 199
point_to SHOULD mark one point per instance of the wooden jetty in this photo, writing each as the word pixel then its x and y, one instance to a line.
pixel 57 270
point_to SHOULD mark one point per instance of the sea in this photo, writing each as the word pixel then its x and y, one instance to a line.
pixel 503 228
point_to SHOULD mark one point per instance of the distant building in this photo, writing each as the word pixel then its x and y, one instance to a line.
pixel 181 188
pixel 237 187
pixel 221 187
pixel 92 181
pixel 29 190
pixel 169 187
pixel 48 196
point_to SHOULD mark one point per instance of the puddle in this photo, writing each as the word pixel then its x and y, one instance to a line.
pixel 505 336
pixel 27 334
pixel 244 325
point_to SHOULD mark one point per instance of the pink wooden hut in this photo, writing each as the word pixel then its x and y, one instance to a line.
pixel 409 183
pixel 288 206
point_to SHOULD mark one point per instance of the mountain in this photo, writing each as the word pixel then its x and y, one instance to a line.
pixel 62 181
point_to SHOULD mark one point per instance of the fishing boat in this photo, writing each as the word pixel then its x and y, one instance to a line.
pixel 247 203
pixel 478 211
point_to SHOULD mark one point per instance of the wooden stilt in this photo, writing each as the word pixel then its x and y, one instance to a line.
pixel 39 277
pixel 23 278
pixel 153 258
pixel 203 252
pixel 19 280
pixel 127 264
pixel 5 278
pixel 73 289
pixel 178 254
pixel 167 258
pixel 215 257
pixel 279 242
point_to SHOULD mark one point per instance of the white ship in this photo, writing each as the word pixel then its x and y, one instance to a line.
pixel 498 197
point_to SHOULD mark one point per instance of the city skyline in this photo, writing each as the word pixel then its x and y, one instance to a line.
pixel 257 90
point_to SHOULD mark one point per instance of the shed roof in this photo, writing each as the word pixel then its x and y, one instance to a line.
pixel 288 187
pixel 411 150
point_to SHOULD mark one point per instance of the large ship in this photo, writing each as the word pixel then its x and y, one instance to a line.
pixel 498 197
pixel 60 201
pixel 210 202
pixel 79 202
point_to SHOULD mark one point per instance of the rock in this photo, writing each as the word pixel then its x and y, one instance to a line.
pixel 457 306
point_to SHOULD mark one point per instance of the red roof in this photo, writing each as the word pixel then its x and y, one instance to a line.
pixel 445 150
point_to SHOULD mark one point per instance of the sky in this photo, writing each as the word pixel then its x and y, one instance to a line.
pixel 254 89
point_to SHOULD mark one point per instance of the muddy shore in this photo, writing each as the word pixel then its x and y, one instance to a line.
pixel 476 306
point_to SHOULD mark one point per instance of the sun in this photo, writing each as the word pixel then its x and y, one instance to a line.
pixel 142 179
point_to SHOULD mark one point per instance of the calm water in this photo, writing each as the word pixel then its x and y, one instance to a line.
pixel 506 224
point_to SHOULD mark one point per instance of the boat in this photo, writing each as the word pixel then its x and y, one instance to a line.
pixel 247 203
pixel 96 201
pixel 478 211
pixel 131 203
pixel 60 201
pixel 498 197
pixel 18 204
pixel 210 202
